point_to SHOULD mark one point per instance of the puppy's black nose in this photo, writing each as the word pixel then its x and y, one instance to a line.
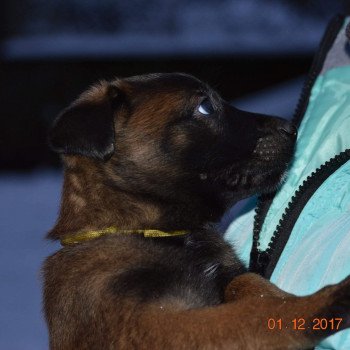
pixel 287 128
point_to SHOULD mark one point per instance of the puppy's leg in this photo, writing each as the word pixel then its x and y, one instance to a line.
pixel 244 324
pixel 251 284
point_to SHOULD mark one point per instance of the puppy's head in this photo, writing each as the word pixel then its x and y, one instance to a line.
pixel 171 138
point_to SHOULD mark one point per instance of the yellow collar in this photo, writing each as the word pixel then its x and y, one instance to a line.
pixel 72 239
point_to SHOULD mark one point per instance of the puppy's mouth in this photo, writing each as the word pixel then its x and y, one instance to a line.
pixel 261 181
pixel 260 175
pixel 264 172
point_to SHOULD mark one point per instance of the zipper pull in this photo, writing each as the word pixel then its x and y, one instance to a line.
pixel 259 260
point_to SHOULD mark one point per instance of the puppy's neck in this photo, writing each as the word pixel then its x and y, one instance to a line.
pixel 90 203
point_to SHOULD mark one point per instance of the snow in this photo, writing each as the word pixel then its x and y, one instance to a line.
pixel 27 211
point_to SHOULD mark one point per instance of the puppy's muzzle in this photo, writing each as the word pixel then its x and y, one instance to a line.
pixel 258 133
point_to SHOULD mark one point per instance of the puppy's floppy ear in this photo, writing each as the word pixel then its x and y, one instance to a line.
pixel 86 127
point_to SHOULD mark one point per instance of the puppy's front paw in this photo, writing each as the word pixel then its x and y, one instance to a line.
pixel 340 306
pixel 334 310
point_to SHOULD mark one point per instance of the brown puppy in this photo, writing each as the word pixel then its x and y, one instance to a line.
pixel 150 163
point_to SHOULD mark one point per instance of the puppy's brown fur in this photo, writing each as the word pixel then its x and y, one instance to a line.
pixel 165 152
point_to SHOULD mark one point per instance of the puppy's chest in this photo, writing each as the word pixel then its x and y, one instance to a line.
pixel 196 272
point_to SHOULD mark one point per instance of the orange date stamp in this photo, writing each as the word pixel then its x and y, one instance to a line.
pixel 300 324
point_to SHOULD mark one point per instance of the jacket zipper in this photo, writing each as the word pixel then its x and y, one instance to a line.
pixel 267 260
pixel 264 262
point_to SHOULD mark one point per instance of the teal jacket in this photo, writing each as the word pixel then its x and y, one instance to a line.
pixel 300 236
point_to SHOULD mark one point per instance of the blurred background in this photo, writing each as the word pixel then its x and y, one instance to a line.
pixel 255 52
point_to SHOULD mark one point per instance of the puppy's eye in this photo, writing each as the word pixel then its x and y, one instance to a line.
pixel 206 107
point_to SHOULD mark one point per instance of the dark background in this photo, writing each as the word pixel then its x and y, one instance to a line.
pixel 52 50
pixel 255 52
